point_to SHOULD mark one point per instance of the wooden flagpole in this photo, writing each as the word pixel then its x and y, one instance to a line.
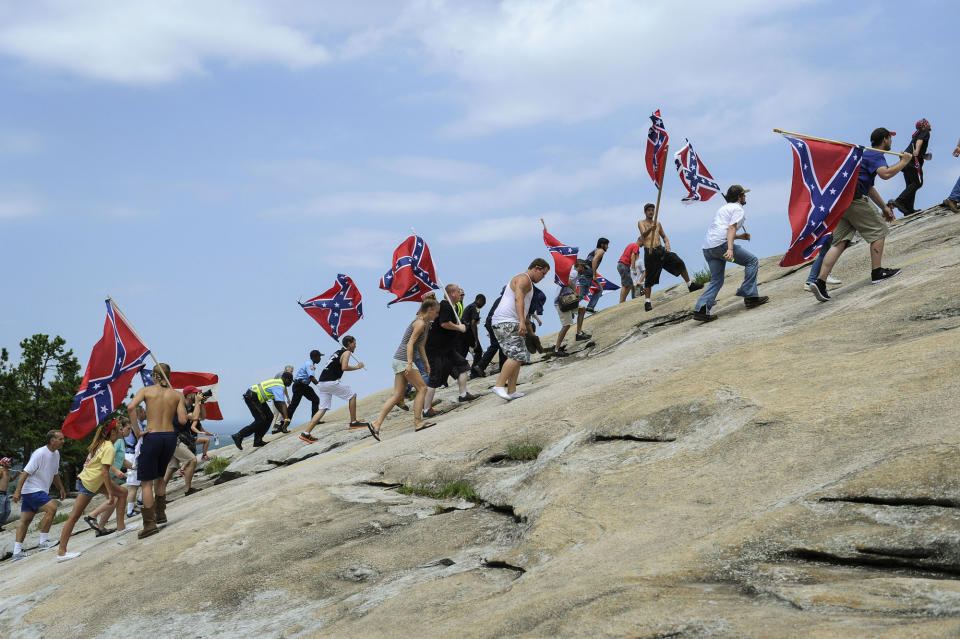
pixel 442 287
pixel 656 210
pixel 116 307
pixel 810 137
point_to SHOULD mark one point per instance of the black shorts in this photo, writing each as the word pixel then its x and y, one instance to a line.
pixel 443 364
pixel 155 453
pixel 659 259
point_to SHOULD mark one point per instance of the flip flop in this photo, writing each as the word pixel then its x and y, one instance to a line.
pixel 425 426
pixel 358 424
pixel 376 435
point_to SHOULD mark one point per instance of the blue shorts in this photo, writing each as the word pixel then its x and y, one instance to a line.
pixel 83 489
pixel 156 449
pixel 32 502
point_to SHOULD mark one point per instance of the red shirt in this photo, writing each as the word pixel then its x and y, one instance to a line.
pixel 632 249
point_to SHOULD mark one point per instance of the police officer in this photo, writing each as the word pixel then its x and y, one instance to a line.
pixel 256 399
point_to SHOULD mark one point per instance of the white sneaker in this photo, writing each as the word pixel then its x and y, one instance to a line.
pixel 68 556
pixel 832 280
pixel 129 528
pixel 501 392
pixel 806 286
pixel 47 545
pixel 516 395
pixel 18 556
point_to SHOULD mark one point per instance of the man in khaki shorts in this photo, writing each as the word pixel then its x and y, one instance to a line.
pixel 862 216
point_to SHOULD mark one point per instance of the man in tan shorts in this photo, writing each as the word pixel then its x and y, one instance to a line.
pixel 862 216
pixel 159 442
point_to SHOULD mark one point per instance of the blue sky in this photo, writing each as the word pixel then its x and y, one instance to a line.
pixel 209 163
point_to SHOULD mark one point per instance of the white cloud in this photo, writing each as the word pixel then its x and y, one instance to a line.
pixel 520 63
pixel 615 165
pixel 142 42
pixel 434 169
pixel 16 206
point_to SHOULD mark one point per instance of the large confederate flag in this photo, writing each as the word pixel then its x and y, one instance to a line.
pixel 113 363
pixel 824 182
pixel 412 275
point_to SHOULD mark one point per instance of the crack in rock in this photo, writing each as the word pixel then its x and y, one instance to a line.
pixel 497 563
pixel 633 438
pixel 872 561
pixel 945 313
pixel 894 501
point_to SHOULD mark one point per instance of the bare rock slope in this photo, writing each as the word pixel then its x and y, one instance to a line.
pixel 784 471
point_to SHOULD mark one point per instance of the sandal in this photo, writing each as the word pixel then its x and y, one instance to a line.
pixel 358 424
pixel 424 426
pixel 103 532
pixel 91 522
pixel 375 434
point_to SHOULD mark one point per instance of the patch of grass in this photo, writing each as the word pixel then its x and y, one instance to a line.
pixel 450 490
pixel 216 465
pixel 702 276
pixel 59 518
pixel 523 452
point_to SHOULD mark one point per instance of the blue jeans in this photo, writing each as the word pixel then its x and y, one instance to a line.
pixel 585 282
pixel 717 265
pixel 817 263
pixel 955 193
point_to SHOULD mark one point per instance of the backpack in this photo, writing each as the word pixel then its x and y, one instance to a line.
pixel 568 301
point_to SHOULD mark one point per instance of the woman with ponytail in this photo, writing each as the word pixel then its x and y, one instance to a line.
pixel 93 479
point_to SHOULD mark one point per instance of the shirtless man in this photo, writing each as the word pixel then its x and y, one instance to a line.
pixel 159 442
pixel 657 258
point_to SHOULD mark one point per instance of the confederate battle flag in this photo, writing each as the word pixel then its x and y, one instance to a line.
pixel 337 309
pixel 696 178
pixel 824 181
pixel 564 257
pixel 657 140
pixel 181 379
pixel 412 275
pixel 113 363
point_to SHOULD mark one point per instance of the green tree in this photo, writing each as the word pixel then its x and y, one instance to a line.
pixel 35 397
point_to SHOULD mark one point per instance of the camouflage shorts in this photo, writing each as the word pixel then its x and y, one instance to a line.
pixel 511 342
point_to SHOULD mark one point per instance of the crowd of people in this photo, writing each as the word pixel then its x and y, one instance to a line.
pixel 439 346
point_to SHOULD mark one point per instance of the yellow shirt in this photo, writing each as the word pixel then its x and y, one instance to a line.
pixel 92 474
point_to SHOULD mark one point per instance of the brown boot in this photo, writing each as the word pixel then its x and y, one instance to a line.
pixel 149 522
pixel 160 507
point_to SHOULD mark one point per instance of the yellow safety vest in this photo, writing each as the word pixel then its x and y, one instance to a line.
pixel 263 388
pixel 460 310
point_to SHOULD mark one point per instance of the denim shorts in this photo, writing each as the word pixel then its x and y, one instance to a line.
pixel 82 490
pixel 4 508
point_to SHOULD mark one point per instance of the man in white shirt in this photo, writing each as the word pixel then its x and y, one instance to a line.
pixel 32 488
pixel 719 248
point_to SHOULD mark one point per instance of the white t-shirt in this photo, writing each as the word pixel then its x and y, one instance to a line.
pixel 728 214
pixel 43 465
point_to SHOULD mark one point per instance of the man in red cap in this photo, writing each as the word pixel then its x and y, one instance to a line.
pixel 913 171
pixel 863 217
pixel 185 454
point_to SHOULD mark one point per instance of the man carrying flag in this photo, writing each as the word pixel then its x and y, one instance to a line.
pixel 861 216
